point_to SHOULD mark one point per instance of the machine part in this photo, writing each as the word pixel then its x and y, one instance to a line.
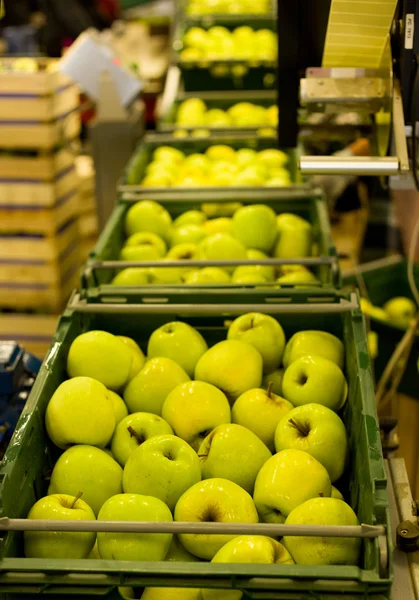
pixel 389 437
pixel 335 165
pixel 407 536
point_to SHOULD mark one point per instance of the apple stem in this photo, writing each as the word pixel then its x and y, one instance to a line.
pixel 269 390
pixel 299 427
pixel 133 433
pixel 78 496
pixel 202 455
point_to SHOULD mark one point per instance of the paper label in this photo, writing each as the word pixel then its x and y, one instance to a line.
pixel 410 31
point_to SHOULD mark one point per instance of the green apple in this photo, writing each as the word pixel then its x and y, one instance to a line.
pixel 134 546
pixel 247 278
pixel 133 431
pixel 190 217
pixel 255 226
pixel 216 500
pixel 298 277
pixel 180 342
pixel 147 391
pixel 165 275
pixel 145 238
pixel 177 553
pixel 317 430
pixel 171 594
pixel 253 549
pixel 94 553
pixel 206 407
pixel 323 550
pixel 222 246
pixel 138 358
pixel 80 412
pixel 59 544
pixel 273 159
pixel 336 494
pixel 196 162
pixel 287 480
pixel 221 152
pixel 164 467
pixel 119 406
pixel 265 270
pixel 131 276
pixel 295 237
pixel 127 593
pixel 219 225
pixel 244 156
pixel 316 379
pixel 272 115
pixel 196 37
pixel 190 54
pixel 250 176
pixel 168 155
pixel 221 209
pixel 233 366
pixel 233 452
pixel 217 117
pixel 139 253
pixel 207 275
pixel 192 106
pixel 148 216
pixel 102 356
pixel 400 310
pixel 260 411
pixel 188 234
pixel 89 470
pixel 276 378
pixel 320 343
pixel 264 333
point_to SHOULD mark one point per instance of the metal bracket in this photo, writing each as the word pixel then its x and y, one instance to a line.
pixel 407 536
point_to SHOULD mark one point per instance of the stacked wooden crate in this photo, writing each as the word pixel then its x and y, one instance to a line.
pixel 39 187
pixel 88 219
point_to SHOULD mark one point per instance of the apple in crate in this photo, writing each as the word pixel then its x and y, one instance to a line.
pixel 119 407
pixel 309 342
pixel 138 358
pixel 151 217
pixel 255 226
pixel 295 237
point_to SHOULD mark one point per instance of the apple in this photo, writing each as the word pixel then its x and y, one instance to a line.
pixel 190 217
pixel 233 366
pixel 119 406
pixel 247 278
pixel 255 226
pixel 80 412
pixel 147 391
pixel 165 275
pixel 190 54
pixel 221 152
pixel 207 275
pixel 315 379
pixel 372 340
pixel 102 356
pixel 145 238
pixel 168 155
pixel 272 115
pixel 195 162
pixel 131 276
pixel 217 118
pixel 400 310
pixel 222 246
pixel 196 37
pixel 214 210
pixel 59 544
pixel 276 378
pixel 180 342
pixel 138 358
pixel 295 237
pixel 89 470
pixel 323 550
pixel 177 553
pixel 264 333
pixel 192 105
pixel 336 494
pixel 133 431
pixel 244 156
pixel 320 343
pixel 171 594
pixel 260 411
pixel 139 253
pixel 233 452
pixel 148 216
pixel 220 225
pixel 188 234
pixel 287 480
pixel 273 159
pixel 216 500
pixel 266 271
pixel 164 467
pixel 127 593
pixel 134 546
pixel 250 176
pixel 194 409
pixel 94 553
pixel 317 430
pixel 253 549
pixel 298 277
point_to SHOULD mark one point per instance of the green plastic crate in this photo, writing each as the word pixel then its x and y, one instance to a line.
pixel 29 458
pixel 383 280
pixel 96 279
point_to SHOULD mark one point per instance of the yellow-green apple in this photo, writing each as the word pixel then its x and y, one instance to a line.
pixel 276 378
pixel 100 355
pixel 260 411
pixel 336 494
pixel 216 117
pixel 323 550
pixel 222 246
pixel 119 406
pixel 133 431
pixel 186 251
pixel 252 549
pixel 273 159
pixel 146 238
pixel 298 277
pixel 188 234
pixel 194 409
pixel 250 176
pixel 316 379
pixel 244 156
pixel 317 430
pixel 286 480
pixel 164 467
pixel 177 553
pixel 59 544
pixel 247 278
pixel 167 154
pixel 193 106
pixel 138 358
pixel 320 343
pixel 180 342
pixel 233 366
pixel 139 253
pixel 89 470
pixel 147 391
pixel 264 333
pixel 233 452
pixel 150 217
pixel 195 162
pixel 221 152
pixel 221 209
pixel 171 594
pixel 400 310
pixel 131 276
pixel 295 237
pixel 265 270
pixel 134 546
pixel 218 501
pixel 255 226
pixel 220 225
pixel 163 275
pixel 127 593
pixel 196 37
pixel 94 553
pixel 207 275
pixel 190 217
pixel 80 412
